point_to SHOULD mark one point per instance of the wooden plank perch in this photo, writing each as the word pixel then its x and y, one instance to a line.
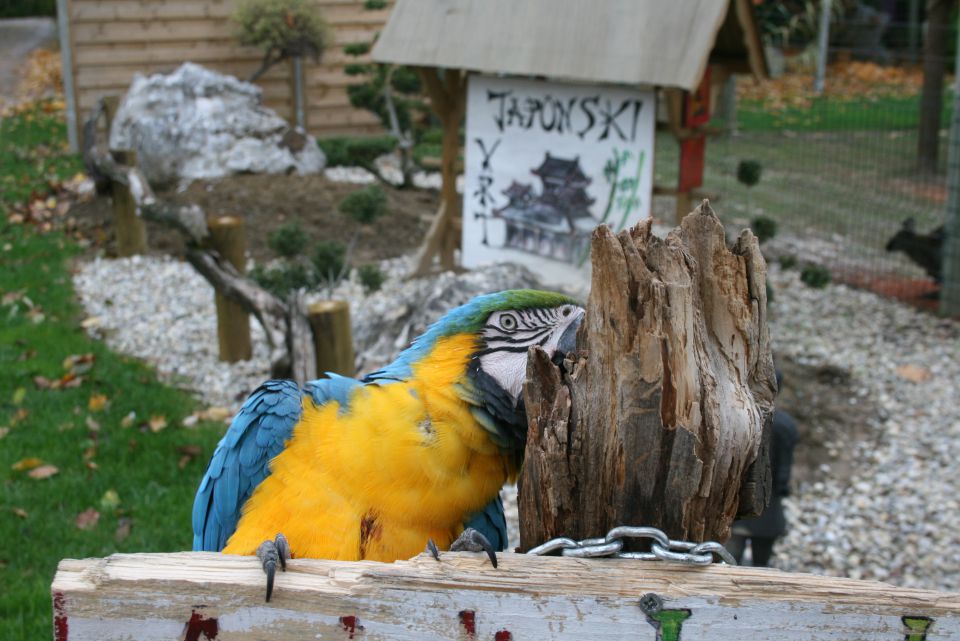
pixel 195 596
pixel 658 419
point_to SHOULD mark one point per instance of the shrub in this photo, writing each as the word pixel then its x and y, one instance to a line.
pixel 365 205
pixel 788 262
pixel 327 258
pixel 815 276
pixel 282 280
pixel 371 277
pixel 342 151
pixel 749 171
pixel 288 240
pixel 764 228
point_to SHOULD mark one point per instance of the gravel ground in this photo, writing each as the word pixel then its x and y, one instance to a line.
pixel 894 516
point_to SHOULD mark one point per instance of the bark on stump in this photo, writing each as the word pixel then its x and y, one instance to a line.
pixel 662 417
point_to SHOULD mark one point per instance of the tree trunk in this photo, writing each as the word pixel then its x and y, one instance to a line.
pixel 660 415
pixel 934 71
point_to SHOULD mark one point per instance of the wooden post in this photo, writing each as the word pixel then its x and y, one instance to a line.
pixel 332 336
pixel 228 237
pixel 130 230
pixel 683 206
pixel 664 409
pixel 199 595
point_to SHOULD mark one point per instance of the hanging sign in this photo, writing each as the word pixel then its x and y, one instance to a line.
pixel 546 162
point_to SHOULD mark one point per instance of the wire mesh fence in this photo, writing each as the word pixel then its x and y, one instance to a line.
pixel 842 174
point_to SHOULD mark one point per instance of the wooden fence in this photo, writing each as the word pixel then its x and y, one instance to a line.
pixel 194 595
pixel 111 40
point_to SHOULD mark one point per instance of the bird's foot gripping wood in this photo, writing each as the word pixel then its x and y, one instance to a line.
pixel 470 540
pixel 272 553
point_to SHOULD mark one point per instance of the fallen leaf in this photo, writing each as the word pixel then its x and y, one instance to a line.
pixel 42 382
pixel 124 524
pixel 97 402
pixel 27 355
pixel 92 466
pixel 88 519
pixel 191 421
pixel 65 427
pixel 19 511
pixel 91 322
pixel 18 395
pixel 128 420
pixel 11 297
pixel 92 424
pixel 43 472
pixel 19 415
pixel 4 431
pixel 26 464
pixel 110 500
pixel 157 423
pixel 914 373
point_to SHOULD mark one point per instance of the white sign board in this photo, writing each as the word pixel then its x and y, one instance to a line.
pixel 547 162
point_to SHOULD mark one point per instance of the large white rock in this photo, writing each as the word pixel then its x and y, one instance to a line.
pixel 196 123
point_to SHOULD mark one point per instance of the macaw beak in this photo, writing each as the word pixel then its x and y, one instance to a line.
pixel 568 340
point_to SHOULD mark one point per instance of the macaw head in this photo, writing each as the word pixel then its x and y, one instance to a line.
pixel 503 325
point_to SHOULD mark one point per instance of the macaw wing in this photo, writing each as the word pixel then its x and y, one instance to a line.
pixel 241 461
pixel 492 523
pixel 258 433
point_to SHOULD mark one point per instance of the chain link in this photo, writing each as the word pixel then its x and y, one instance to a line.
pixel 662 547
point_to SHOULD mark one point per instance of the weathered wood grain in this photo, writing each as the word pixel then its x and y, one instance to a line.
pixel 661 412
pixel 139 597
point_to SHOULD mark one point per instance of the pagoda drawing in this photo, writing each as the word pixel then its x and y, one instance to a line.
pixel 556 223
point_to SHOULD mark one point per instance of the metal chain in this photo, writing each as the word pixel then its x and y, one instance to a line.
pixel 662 547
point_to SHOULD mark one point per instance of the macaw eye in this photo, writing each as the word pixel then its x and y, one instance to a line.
pixel 508 322
pixel 566 311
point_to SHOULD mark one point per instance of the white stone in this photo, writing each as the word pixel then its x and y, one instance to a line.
pixel 196 123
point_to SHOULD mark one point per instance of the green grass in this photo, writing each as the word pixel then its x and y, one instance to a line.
pixel 830 114
pixel 39 328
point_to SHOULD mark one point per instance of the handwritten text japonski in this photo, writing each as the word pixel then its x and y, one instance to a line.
pixel 588 115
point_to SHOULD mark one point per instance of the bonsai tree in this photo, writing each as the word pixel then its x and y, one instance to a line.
pixel 284 29
pixel 391 92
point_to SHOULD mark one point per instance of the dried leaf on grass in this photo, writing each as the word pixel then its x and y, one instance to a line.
pixel 124 525
pixel 157 423
pixel 26 464
pixel 43 472
pixel 88 519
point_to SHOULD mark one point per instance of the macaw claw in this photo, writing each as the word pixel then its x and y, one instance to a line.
pixel 432 549
pixel 471 540
pixel 272 553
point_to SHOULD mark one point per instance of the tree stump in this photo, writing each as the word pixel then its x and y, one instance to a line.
pixel 332 336
pixel 662 416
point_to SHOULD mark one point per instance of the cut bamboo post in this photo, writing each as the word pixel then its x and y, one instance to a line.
pixel 229 239
pixel 333 338
pixel 129 228
pixel 198 595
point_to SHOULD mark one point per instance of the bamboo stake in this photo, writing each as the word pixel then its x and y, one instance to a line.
pixel 228 238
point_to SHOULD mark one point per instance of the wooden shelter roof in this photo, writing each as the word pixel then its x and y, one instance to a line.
pixel 664 43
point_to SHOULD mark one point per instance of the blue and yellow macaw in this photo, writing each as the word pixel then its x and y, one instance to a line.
pixel 411 455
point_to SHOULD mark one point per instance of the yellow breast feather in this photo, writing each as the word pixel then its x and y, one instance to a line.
pixel 405 462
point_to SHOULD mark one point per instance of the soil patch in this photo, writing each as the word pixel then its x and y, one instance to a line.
pixel 268 201
pixel 830 416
